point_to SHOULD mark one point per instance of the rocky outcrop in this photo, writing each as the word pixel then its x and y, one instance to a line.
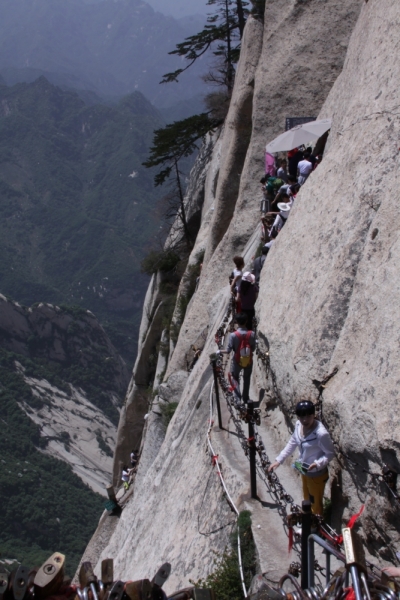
pixel 76 379
pixel 327 305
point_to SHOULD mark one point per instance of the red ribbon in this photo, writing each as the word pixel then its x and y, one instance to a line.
pixel 352 521
pixel 350 594
pixel 214 459
pixel 290 539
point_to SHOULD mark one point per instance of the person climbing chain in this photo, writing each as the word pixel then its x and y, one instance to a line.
pixel 316 451
pixel 242 342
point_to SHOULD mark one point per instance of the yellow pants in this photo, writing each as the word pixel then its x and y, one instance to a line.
pixel 313 490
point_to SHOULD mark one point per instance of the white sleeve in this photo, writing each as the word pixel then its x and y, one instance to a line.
pixel 326 446
pixel 288 449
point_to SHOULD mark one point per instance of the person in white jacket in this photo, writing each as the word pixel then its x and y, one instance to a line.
pixel 315 452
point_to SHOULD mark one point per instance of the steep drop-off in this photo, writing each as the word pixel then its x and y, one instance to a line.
pixel 328 299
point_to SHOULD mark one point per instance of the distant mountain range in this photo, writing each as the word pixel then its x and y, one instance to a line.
pixel 77 208
pixel 112 47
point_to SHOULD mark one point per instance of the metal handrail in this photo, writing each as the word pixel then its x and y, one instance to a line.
pixel 328 549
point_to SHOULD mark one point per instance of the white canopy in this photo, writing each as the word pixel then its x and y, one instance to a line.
pixel 301 134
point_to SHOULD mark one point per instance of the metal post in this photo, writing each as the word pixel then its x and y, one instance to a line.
pixel 252 446
pixel 305 532
pixel 310 560
pixel 328 566
pixel 214 368
pixel 356 582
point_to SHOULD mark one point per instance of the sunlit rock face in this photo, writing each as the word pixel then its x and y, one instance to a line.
pixel 328 292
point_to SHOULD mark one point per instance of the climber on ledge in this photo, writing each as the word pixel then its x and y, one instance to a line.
pixel 316 451
pixel 243 343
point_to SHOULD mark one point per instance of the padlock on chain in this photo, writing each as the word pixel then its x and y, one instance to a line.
pixel 50 576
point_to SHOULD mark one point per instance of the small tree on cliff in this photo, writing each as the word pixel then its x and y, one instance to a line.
pixel 222 34
pixel 172 143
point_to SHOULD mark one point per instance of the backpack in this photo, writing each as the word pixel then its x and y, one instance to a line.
pixel 244 354
pixel 274 184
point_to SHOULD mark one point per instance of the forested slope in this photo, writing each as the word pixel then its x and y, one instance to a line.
pixel 76 205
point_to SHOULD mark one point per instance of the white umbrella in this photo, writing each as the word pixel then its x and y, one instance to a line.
pixel 301 134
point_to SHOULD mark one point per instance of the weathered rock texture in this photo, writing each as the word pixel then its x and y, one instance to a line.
pixel 67 346
pixel 329 293
pixel 336 301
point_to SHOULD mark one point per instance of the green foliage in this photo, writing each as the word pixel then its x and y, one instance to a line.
pixel 222 34
pixel 45 506
pixel 176 141
pixel 225 579
pixel 164 261
pixel 168 411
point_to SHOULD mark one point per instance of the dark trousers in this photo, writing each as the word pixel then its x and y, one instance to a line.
pixel 235 372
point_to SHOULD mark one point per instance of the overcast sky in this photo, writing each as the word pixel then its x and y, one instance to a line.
pixel 180 8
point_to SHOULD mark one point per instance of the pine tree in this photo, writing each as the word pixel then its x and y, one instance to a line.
pixel 172 143
pixel 222 34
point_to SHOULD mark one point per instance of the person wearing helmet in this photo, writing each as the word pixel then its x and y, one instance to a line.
pixel 315 452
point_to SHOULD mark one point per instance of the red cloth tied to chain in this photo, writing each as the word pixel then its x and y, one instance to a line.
pixel 214 459
pixel 290 533
pixel 338 539
pixel 350 595
pixel 351 523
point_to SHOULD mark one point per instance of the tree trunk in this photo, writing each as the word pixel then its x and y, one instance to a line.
pixel 240 15
pixel 229 78
pixel 182 211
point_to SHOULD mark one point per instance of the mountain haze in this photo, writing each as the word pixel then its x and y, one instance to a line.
pixel 76 204
pixel 110 47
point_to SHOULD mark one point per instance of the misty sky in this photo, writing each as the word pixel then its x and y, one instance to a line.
pixel 180 8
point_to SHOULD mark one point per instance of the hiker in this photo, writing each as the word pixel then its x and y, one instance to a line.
pixel 316 451
pixel 284 189
pixel 243 343
pixel 259 263
pixel 304 168
pixel 236 275
pixel 125 477
pixel 134 459
pixel 283 214
pixel 392 571
pixel 247 295
pixel 264 207
pixel 282 171
pixel 271 242
pixel 311 157
pixel 294 157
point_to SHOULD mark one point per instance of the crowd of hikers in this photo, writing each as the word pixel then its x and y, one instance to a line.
pixel 280 187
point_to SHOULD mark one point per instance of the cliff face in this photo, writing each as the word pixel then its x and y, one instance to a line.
pixel 328 294
pixel 76 380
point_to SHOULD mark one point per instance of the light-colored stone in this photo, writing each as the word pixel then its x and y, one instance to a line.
pixel 329 294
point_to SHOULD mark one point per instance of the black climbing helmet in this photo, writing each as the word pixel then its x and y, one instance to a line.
pixel 304 408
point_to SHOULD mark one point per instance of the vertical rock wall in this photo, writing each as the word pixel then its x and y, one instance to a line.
pixel 328 289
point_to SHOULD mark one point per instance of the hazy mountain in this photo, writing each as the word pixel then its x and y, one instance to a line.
pixel 76 204
pixel 113 47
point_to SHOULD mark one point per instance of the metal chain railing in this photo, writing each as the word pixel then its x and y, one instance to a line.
pixel 239 413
